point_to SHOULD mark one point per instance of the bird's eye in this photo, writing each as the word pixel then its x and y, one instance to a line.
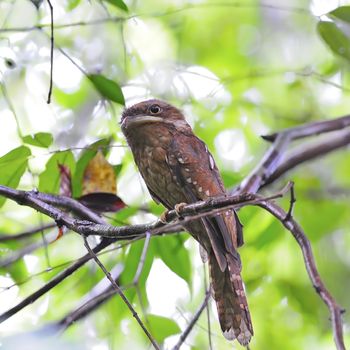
pixel 155 109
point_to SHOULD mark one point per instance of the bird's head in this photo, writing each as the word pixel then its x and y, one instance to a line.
pixel 153 112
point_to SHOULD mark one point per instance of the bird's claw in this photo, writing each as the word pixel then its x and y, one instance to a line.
pixel 163 217
pixel 178 208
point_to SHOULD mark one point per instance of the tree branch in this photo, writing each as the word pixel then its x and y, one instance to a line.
pixel 294 228
pixel 53 282
pixel 312 129
pixel 272 164
pixel 26 234
pixel 305 153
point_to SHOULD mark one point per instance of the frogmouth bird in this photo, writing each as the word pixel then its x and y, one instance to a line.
pixel 178 168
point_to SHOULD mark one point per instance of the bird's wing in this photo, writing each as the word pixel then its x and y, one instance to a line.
pixel 195 171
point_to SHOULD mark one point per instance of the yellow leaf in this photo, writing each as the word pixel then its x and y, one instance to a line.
pixel 99 176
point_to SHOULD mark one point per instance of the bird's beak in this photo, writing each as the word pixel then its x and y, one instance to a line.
pixel 139 119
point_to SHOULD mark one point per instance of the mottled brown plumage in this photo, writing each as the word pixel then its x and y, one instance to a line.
pixel 177 167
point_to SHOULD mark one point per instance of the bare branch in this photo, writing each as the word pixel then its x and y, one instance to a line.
pixel 312 129
pixel 52 44
pixel 305 153
pixel 27 233
pixel 293 227
pixel 54 282
pixel 188 212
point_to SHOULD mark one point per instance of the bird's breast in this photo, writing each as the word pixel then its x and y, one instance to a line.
pixel 150 147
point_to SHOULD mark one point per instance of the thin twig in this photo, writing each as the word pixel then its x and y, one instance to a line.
pixel 52 44
pixel 306 153
pixel 291 203
pixel 270 161
pixel 207 308
pixel 27 233
pixel 194 320
pixel 122 295
pixel 53 282
pixel 142 259
pixel 312 129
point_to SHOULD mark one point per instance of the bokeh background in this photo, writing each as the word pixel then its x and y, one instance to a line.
pixel 238 70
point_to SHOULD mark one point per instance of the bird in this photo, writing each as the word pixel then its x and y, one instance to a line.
pixel 178 168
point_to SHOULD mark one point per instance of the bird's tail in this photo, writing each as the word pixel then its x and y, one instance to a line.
pixel 231 302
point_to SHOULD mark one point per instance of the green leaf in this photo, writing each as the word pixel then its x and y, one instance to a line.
pixel 86 156
pixel 72 4
pixel 13 165
pixel 49 179
pixel 107 88
pixel 118 3
pixel 337 41
pixel 162 327
pixel 41 139
pixel 173 253
pixel 342 12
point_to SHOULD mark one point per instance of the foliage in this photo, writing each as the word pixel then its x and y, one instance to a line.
pixel 238 70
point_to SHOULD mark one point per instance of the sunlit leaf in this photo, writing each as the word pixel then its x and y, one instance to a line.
pixel 107 88
pixel 336 40
pixel 40 139
pixel 13 165
pixel 162 327
pixel 173 253
pixel 118 3
pixel 49 179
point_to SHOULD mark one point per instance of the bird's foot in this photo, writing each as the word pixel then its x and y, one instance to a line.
pixel 178 208
pixel 163 217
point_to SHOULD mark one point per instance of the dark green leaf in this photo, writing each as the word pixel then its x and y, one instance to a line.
pixel 41 139
pixel 337 41
pixel 342 12
pixel 162 327
pixel 107 88
pixel 86 156
pixel 117 169
pixel 49 179
pixel 36 3
pixel 118 3
pixel 13 164
pixel 132 262
pixel 173 253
